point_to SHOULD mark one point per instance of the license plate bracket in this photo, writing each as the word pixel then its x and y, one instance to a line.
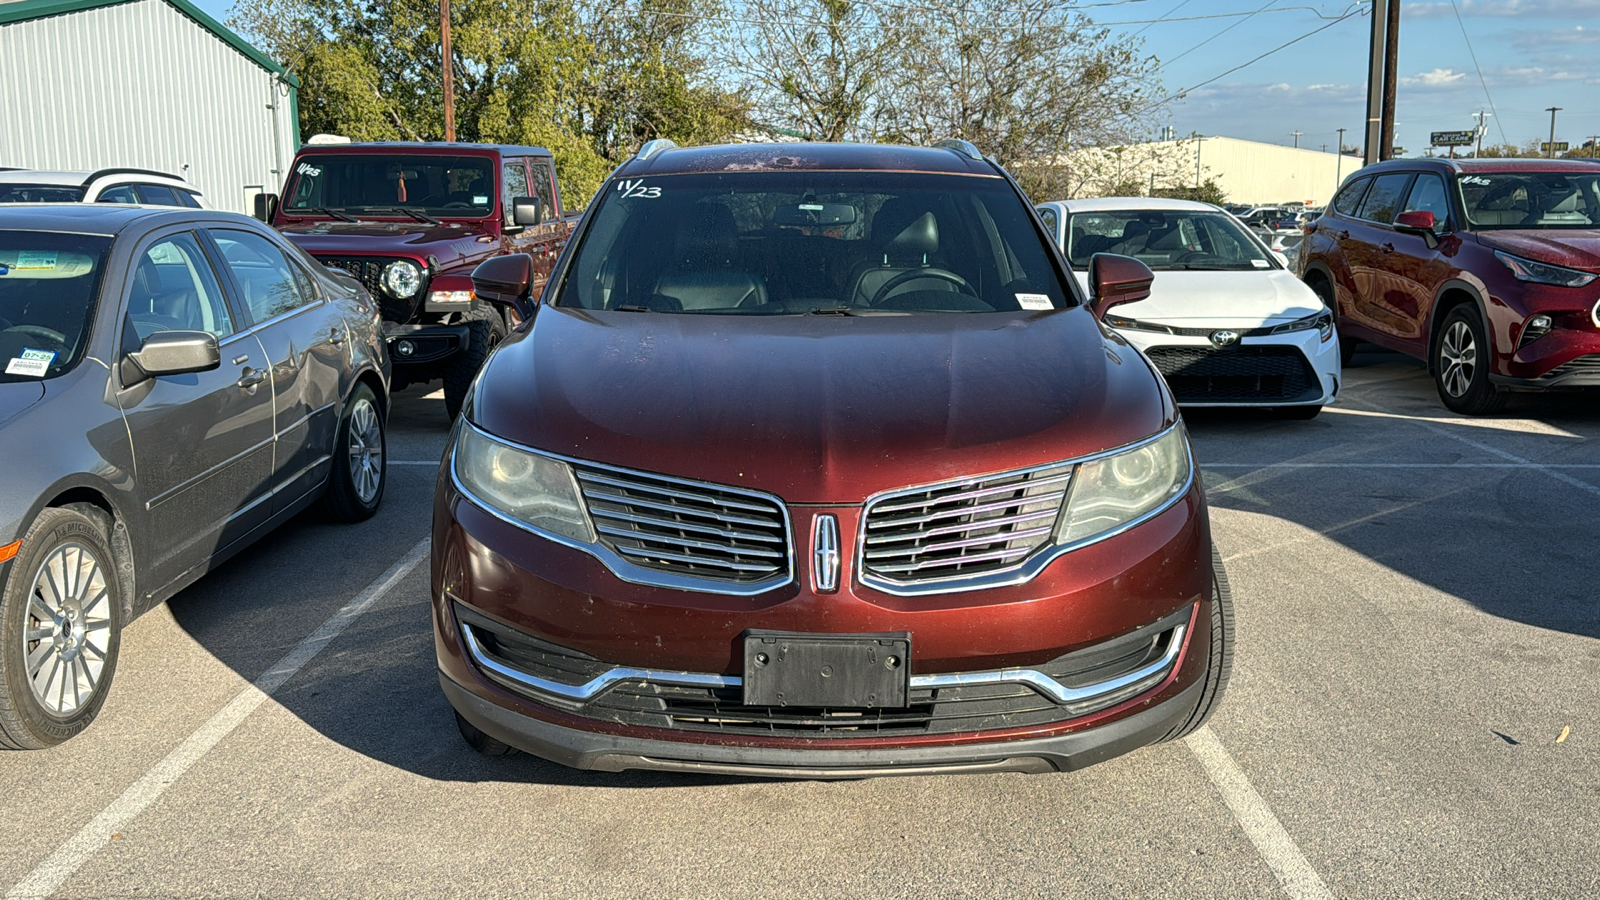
pixel 839 671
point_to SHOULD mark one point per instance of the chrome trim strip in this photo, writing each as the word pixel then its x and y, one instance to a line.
pixel 618 565
pixel 1029 568
pixel 981 492
pixel 1036 680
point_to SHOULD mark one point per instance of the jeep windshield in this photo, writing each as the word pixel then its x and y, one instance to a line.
pixel 397 185
pixel 1531 199
pixel 813 243
pixel 48 285
pixel 1165 239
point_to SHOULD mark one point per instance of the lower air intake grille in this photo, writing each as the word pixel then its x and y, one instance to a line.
pixel 686 527
pixel 1253 374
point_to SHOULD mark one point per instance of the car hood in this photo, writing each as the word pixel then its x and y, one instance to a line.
pixel 17 396
pixel 446 243
pixel 1223 299
pixel 819 409
pixel 1576 249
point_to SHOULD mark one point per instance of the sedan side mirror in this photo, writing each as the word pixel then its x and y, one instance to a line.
pixel 526 211
pixel 1114 280
pixel 177 352
pixel 266 207
pixel 1419 222
pixel 506 279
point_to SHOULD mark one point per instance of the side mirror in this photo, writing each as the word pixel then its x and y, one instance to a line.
pixel 177 352
pixel 506 279
pixel 1114 280
pixel 266 207
pixel 1419 222
pixel 525 211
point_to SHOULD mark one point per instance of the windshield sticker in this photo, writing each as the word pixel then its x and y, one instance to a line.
pixel 308 169
pixel 32 362
pixel 1034 301
pixel 35 259
pixel 480 199
pixel 1474 179
pixel 1260 264
pixel 637 189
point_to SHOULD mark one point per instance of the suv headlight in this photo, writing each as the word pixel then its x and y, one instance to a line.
pixel 1543 273
pixel 1322 322
pixel 402 278
pixel 1110 492
pixel 527 487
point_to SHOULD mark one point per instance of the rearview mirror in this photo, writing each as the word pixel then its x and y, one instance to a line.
pixel 1114 280
pixel 177 352
pixel 1419 222
pixel 526 211
pixel 506 279
pixel 266 206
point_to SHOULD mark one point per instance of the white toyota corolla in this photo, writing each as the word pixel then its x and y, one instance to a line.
pixel 1226 323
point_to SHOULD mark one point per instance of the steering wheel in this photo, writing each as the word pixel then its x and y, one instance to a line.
pixel 914 274
pixel 41 332
pixel 457 204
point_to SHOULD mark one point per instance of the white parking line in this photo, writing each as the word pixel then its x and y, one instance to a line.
pixel 1370 465
pixel 76 850
pixel 1260 825
pixel 1524 426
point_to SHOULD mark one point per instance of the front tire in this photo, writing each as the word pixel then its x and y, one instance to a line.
pixel 1297 413
pixel 477 740
pixel 360 471
pixel 1219 665
pixel 60 631
pixel 486 331
pixel 1461 365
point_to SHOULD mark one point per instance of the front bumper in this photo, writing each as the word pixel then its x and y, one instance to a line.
pixel 1293 369
pixel 497 574
pixel 412 346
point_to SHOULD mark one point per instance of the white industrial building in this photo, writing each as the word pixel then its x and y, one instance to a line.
pixel 152 84
pixel 1247 171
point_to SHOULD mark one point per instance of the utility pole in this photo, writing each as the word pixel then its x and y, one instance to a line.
pixel 1296 136
pixel 1594 144
pixel 1551 152
pixel 1483 126
pixel 1380 81
pixel 1338 165
pixel 449 73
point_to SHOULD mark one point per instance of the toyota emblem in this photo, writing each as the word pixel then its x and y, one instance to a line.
pixel 1224 338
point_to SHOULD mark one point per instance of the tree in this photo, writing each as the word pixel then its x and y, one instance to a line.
pixel 1208 192
pixel 1529 150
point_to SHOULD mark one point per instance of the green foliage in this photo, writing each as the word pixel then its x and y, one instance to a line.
pixel 1208 192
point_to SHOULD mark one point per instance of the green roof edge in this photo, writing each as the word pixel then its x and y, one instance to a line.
pixel 25 10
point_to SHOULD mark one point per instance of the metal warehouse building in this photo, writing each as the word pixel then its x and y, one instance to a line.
pixel 153 84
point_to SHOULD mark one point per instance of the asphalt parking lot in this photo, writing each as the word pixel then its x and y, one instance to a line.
pixel 1414 712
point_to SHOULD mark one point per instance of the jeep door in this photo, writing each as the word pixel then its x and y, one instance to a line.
pixel 304 338
pixel 542 241
pixel 202 442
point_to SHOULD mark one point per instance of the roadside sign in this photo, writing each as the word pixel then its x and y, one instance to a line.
pixel 1557 147
pixel 1453 138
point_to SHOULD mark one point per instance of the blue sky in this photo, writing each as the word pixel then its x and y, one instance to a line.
pixel 1533 54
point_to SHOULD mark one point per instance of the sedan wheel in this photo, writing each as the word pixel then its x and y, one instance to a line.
pixel 355 486
pixel 366 450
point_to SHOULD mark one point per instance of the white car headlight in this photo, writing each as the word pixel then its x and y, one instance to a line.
pixel 402 278
pixel 1322 321
pixel 1110 492
pixel 528 487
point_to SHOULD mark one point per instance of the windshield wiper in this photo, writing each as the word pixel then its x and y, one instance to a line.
pixel 404 211
pixel 631 308
pixel 325 211
pixel 1213 267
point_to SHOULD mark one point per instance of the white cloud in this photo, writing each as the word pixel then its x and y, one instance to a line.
pixel 1576 36
pixel 1434 78
pixel 1562 9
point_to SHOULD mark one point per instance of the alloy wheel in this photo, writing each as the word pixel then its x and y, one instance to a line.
pixel 67 637
pixel 366 450
pixel 1458 359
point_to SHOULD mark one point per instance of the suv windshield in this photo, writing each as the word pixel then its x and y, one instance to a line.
pixel 48 285
pixel 40 193
pixel 842 243
pixel 1531 199
pixel 458 186
pixel 1165 239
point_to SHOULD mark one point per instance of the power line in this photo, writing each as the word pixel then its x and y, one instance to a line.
pixel 1208 40
pixel 1168 13
pixel 1481 79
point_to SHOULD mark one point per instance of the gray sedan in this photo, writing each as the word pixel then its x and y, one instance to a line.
pixel 175 384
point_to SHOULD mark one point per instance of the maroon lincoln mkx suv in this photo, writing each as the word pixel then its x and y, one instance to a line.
pixel 814 461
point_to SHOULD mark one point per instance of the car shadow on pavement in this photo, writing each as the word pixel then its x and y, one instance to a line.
pixel 1513 542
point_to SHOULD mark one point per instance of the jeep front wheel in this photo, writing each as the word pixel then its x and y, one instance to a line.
pixel 485 330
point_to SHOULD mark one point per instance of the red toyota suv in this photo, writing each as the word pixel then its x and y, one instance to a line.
pixel 814 461
pixel 1484 268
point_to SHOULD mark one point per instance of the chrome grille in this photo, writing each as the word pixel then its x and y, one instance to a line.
pixel 687 528
pixel 973 527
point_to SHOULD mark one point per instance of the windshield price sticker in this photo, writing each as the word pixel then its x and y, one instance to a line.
pixel 32 362
pixel 1034 301
pixel 637 189
pixel 35 259
pixel 308 170
pixel 1260 263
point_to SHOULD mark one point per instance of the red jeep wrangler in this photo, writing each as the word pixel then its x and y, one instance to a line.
pixel 411 221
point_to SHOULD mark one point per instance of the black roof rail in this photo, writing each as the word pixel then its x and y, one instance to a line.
pixel 965 148
pixel 94 176
pixel 651 148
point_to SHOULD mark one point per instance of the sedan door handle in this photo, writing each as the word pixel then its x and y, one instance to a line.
pixel 336 337
pixel 252 378
pixel 1387 248
pixel 1344 235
